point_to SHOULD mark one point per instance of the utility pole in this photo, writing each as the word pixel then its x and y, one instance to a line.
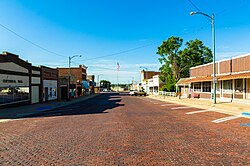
pixel 213 50
pixel 69 73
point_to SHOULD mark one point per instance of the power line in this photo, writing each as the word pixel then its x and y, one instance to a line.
pixel 122 52
pixel 44 49
pixel 194 6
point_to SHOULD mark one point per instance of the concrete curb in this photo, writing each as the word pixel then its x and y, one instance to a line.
pixel 225 109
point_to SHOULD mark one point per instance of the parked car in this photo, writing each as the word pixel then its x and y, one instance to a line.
pixel 141 93
pixel 132 92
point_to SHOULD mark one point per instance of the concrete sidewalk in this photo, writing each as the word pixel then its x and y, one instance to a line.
pixel 226 107
pixel 18 112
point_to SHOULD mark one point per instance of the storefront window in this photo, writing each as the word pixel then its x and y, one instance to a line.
pixel 50 92
pixel 206 86
pixel 55 92
pixel 227 86
pixel 197 87
pixel 239 85
pixel 14 94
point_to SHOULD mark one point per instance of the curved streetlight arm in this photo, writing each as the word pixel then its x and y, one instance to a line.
pixel 75 56
pixel 142 67
pixel 193 13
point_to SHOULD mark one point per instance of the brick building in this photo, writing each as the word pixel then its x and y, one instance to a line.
pixel 233 79
pixel 77 85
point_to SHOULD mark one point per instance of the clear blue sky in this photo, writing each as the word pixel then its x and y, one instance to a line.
pixel 133 28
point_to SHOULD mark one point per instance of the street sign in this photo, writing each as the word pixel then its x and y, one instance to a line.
pixel 215 80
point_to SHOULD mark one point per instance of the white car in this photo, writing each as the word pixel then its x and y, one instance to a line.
pixel 133 92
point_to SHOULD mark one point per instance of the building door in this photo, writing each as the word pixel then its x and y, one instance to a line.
pixel 34 94
pixel 248 88
pixel 64 93
pixel 46 94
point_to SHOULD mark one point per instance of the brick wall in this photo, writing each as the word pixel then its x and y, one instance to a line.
pixel 78 73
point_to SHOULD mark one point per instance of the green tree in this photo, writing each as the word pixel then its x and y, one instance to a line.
pixel 177 62
pixel 105 84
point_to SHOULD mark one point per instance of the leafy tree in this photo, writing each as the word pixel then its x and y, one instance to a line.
pixel 177 62
pixel 105 84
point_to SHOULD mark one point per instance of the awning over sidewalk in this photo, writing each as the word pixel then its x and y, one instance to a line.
pixel 85 84
pixel 235 76
pixel 187 81
pixel 183 81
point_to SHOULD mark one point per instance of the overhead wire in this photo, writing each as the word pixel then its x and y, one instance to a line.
pixel 122 52
pixel 34 44
pixel 194 6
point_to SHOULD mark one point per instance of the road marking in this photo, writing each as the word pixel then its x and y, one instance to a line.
pixel 167 104
pixel 7 120
pixel 176 108
pixel 200 111
pixel 226 118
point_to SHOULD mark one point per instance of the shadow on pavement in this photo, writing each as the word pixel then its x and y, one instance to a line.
pixel 97 105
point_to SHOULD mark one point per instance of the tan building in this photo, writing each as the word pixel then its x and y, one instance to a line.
pixel 154 84
pixel 19 81
pixel 145 75
pixel 232 76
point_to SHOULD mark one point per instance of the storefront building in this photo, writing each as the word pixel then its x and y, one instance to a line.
pixel 232 77
pixel 145 76
pixel 49 84
pixel 91 83
pixel 154 85
pixel 36 85
pixel 15 80
pixel 78 84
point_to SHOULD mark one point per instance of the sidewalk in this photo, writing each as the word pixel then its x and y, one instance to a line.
pixel 230 108
pixel 18 112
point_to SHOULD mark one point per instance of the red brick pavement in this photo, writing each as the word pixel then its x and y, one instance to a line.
pixel 138 133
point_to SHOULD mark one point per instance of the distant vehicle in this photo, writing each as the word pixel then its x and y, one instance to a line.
pixel 141 93
pixel 132 92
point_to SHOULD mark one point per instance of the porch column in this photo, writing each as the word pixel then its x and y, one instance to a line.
pixel 184 89
pixel 233 83
pixel 212 87
pixel 244 88
pixel 222 88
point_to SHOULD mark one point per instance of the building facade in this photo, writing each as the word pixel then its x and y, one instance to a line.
pixel 15 80
pixel 78 84
pixel 232 78
pixel 145 76
pixel 36 85
pixel 154 84
pixel 92 83
pixel 49 82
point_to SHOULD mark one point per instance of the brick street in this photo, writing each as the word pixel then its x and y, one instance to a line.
pixel 117 129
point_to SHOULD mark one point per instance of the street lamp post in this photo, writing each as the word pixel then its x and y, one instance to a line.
pixel 213 49
pixel 98 83
pixel 146 69
pixel 69 72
